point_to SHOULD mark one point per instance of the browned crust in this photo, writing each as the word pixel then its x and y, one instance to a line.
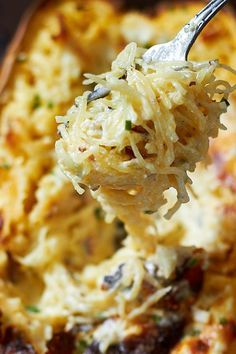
pixel 12 342
pixel 61 343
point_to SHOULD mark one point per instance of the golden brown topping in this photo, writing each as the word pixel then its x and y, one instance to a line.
pixel 199 346
pixel 61 343
pixel 11 342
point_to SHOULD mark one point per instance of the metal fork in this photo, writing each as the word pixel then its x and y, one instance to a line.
pixel 179 47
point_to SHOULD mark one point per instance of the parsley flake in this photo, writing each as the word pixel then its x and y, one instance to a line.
pixel 194 332
pixel 80 346
pixel 100 316
pixel 191 262
pixel 156 318
pixel 128 125
pixel 32 308
pixel 99 213
pixel 148 45
pixel 36 103
pixel 50 105
pixel 5 166
pixel 223 321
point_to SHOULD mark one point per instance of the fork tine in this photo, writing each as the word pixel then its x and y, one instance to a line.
pixel 209 11
pixel 209 4
pixel 193 28
pixel 179 47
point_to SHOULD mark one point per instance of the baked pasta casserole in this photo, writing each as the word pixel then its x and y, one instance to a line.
pixel 71 282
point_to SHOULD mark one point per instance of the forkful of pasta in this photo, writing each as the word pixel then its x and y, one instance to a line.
pixel 145 126
pixel 179 47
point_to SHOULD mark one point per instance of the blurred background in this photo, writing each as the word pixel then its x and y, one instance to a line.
pixel 10 13
pixel 12 10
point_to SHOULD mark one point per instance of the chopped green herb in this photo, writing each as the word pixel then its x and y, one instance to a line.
pixel 194 332
pixel 36 103
pixel 80 346
pixel 148 45
pixel 100 316
pixel 5 166
pixel 191 262
pixel 99 213
pixel 50 104
pixel 156 318
pixel 225 101
pixel 223 321
pixel 128 125
pixel 32 308
pixel 149 212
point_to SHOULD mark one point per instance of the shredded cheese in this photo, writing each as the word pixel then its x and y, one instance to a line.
pixel 143 138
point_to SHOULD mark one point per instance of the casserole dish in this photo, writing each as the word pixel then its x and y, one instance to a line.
pixel 56 247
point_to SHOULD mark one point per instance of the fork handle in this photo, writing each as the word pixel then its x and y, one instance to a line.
pixel 192 29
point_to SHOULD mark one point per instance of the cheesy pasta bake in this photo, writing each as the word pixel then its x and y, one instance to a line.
pixel 141 139
pixel 70 282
